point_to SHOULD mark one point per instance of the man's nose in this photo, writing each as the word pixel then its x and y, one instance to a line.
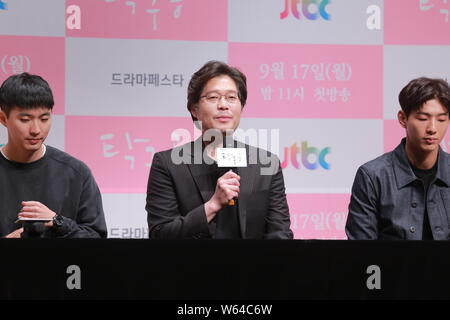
pixel 431 126
pixel 35 128
pixel 223 103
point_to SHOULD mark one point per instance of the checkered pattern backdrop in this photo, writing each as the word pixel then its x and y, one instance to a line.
pixel 323 78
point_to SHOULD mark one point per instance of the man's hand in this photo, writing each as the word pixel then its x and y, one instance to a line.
pixel 15 234
pixel 227 188
pixel 35 209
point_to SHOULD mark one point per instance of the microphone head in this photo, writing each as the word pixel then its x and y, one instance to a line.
pixel 38 227
pixel 33 229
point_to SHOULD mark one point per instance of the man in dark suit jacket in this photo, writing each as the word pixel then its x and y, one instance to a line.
pixel 188 195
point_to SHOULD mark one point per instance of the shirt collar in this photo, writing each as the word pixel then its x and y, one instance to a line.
pixel 404 173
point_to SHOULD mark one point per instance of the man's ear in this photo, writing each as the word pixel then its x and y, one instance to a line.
pixel 3 118
pixel 401 116
pixel 194 110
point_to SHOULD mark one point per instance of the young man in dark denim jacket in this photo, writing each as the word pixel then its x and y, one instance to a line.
pixel 405 193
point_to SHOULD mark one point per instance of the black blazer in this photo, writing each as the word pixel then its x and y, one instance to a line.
pixel 176 194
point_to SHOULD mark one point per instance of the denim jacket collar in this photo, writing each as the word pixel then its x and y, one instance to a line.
pixel 404 173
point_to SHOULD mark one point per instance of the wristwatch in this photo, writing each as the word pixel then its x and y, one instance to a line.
pixel 58 221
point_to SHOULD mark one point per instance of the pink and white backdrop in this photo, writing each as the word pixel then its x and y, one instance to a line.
pixel 324 74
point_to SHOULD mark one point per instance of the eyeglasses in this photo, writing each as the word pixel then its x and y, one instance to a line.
pixel 213 98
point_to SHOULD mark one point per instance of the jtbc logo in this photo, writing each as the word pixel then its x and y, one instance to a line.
pixel 3 5
pixel 306 6
pixel 306 152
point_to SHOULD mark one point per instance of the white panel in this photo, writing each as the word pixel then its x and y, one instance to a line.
pixel 350 142
pixel 33 18
pixel 125 215
pixel 259 21
pixel 404 63
pixel 91 64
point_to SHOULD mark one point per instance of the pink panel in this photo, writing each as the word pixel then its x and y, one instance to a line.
pixel 311 81
pixel 171 20
pixel 43 56
pixel 119 150
pixel 417 22
pixel 318 216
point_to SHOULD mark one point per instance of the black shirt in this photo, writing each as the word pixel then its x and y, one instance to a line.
pixel 59 181
pixel 426 176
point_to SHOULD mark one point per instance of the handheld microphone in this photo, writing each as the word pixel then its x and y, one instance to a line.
pixel 230 158
pixel 33 229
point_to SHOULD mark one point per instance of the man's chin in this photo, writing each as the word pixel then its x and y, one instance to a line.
pixel 33 147
pixel 227 131
pixel 223 130
pixel 430 147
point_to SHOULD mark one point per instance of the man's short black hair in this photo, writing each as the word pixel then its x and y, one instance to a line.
pixel 210 70
pixel 418 91
pixel 26 91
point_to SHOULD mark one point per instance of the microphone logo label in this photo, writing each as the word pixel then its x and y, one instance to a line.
pixel 231 157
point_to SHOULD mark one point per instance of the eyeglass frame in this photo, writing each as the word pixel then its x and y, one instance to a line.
pixel 220 97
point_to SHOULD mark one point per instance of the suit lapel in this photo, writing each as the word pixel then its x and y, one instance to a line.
pixel 202 180
pixel 201 176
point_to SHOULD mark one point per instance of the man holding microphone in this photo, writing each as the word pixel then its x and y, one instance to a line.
pixel 191 195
